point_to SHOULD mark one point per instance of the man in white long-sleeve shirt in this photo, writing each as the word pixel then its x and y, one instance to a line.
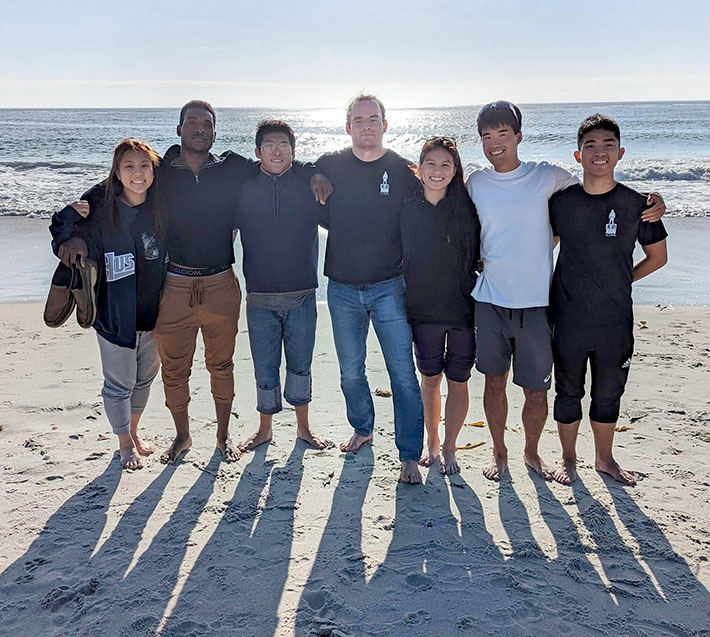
pixel 512 293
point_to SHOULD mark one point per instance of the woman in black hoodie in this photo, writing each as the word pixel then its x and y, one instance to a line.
pixel 440 242
pixel 124 235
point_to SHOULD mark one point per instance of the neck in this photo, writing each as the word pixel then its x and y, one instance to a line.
pixel 268 172
pixel 598 185
pixel 132 199
pixel 368 154
pixel 194 161
pixel 434 196
pixel 507 166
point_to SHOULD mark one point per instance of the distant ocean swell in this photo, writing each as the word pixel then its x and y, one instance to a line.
pixel 37 189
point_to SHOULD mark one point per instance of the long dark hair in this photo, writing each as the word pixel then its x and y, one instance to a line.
pixel 113 187
pixel 457 204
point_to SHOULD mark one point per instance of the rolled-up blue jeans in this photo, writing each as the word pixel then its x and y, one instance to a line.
pixel 293 330
pixel 352 307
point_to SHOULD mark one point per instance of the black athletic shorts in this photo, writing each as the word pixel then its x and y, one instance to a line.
pixel 444 348
pixel 608 350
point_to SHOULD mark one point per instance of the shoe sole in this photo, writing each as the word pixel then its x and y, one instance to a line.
pixel 61 317
pixel 89 275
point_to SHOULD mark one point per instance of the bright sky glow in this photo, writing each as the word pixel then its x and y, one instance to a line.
pixel 283 53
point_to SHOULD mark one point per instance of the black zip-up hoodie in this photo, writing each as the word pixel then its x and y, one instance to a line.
pixel 131 260
pixel 440 246
pixel 278 222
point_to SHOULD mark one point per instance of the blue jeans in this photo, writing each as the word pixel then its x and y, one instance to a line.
pixel 351 309
pixel 294 329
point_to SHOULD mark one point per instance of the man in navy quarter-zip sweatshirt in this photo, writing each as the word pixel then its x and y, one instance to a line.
pixel 277 218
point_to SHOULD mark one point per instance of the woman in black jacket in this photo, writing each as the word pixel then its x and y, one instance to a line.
pixel 124 236
pixel 440 239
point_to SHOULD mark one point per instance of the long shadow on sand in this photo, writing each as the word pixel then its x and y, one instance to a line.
pixel 51 584
pixel 238 580
pixel 432 565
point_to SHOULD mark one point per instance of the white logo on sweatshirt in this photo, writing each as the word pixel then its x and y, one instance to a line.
pixel 119 266
pixel 627 364
pixel 384 186
pixel 611 226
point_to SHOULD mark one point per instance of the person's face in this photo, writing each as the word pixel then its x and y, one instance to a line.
pixel 437 169
pixel 276 153
pixel 135 172
pixel 366 126
pixel 599 153
pixel 197 132
pixel 500 145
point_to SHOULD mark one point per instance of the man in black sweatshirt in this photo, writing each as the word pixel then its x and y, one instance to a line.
pixel 278 219
pixel 363 261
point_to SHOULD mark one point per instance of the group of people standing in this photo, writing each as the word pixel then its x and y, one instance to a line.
pixel 459 269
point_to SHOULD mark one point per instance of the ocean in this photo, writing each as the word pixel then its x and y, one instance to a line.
pixel 48 157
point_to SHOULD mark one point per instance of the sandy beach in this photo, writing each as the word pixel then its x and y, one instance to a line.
pixel 293 541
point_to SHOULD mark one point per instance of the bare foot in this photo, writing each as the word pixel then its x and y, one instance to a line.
pixel 229 451
pixel 430 456
pixel 497 468
pixel 449 464
pixel 538 465
pixel 567 473
pixel 143 447
pixel 178 446
pixel 615 471
pixel 252 442
pixel 130 459
pixel 314 440
pixel 354 443
pixel 410 472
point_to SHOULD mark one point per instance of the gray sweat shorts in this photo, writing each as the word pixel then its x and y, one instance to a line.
pixel 523 335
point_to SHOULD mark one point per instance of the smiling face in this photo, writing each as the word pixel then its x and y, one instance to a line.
pixel 500 146
pixel 197 131
pixel 135 172
pixel 276 153
pixel 599 152
pixel 366 125
pixel 436 170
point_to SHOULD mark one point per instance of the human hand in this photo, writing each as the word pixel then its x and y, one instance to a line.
pixel 73 251
pixel 82 207
pixel 657 210
pixel 321 188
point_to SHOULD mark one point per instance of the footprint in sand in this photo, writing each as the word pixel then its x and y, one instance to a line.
pixel 419 582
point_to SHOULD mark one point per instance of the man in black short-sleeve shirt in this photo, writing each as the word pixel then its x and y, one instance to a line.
pixel 598 225
pixel 363 262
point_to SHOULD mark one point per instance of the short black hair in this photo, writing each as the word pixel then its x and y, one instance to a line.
pixel 500 113
pixel 267 126
pixel 197 104
pixel 598 122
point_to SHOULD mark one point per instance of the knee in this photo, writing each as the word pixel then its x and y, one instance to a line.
pixel 535 397
pixel 496 384
pixel 431 383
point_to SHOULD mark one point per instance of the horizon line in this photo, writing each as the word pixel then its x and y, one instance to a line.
pixel 340 106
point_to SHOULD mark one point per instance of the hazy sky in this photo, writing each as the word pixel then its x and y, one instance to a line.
pixel 301 53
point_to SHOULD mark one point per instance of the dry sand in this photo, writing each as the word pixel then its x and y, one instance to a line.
pixel 294 541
